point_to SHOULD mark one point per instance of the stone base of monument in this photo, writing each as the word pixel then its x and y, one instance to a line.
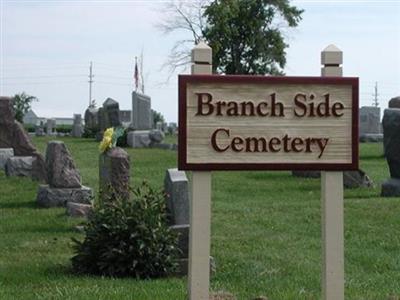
pixel 182 232
pixel 19 166
pixel 391 188
pixel 55 197
pixel 138 139
pixel 78 209
pixel 5 153
pixel 148 139
pixel 371 138
pixel 356 179
pixel 183 245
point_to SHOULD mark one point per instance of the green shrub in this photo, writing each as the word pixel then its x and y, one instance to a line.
pixel 64 128
pixel 128 238
pixel 29 127
pixel 89 132
pixel 122 141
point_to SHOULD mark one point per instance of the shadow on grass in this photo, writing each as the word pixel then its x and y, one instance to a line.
pixel 362 196
pixel 50 230
pixel 58 271
pixel 61 270
pixel 261 175
pixel 372 157
pixel 11 205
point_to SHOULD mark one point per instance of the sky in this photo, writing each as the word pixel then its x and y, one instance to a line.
pixel 46 48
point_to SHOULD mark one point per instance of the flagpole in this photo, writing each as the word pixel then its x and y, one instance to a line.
pixel 136 75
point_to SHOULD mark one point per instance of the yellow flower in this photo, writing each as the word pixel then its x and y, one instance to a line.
pixel 109 132
pixel 105 143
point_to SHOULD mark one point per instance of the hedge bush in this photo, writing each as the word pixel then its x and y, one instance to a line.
pixel 128 238
pixel 63 128
pixel 29 127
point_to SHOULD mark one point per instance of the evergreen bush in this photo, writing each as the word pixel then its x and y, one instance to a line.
pixel 128 238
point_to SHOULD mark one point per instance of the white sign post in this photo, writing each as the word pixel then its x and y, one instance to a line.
pixel 332 205
pixel 200 204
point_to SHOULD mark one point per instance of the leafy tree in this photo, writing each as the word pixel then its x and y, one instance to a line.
pixel 157 117
pixel 22 103
pixel 246 35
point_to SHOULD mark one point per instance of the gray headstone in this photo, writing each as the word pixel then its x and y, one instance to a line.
pixel 77 119
pixel 141 112
pixel 111 113
pixel 5 153
pixel 77 126
pixel 39 131
pixel 91 119
pixel 50 126
pixel 164 127
pixel 13 135
pixel 61 169
pixel 56 197
pixel 391 188
pixel 156 136
pixel 101 119
pixel 138 139
pixel 19 166
pixel 391 140
pixel 177 196
pixel 370 117
pixel 182 232
pixel 6 111
pixel 394 102
pixel 114 174
pixel 356 179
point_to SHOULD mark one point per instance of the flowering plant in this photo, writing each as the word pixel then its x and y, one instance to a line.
pixel 110 138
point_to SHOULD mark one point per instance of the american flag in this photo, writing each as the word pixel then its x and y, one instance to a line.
pixel 136 76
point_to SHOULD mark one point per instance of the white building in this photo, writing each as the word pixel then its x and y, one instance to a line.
pixel 32 119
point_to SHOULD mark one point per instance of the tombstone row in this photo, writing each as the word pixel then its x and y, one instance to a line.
pixel 49 128
pixel 370 126
pixel 140 133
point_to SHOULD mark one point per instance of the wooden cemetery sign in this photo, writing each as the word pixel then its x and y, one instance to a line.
pixel 267 123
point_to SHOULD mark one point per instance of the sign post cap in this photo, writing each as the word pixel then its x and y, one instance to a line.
pixel 332 55
pixel 202 53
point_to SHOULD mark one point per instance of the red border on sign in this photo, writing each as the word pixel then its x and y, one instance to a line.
pixel 183 80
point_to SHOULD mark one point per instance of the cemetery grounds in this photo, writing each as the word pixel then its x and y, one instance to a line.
pixel 266 235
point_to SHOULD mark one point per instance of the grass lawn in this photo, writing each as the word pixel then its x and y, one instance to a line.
pixel 266 236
